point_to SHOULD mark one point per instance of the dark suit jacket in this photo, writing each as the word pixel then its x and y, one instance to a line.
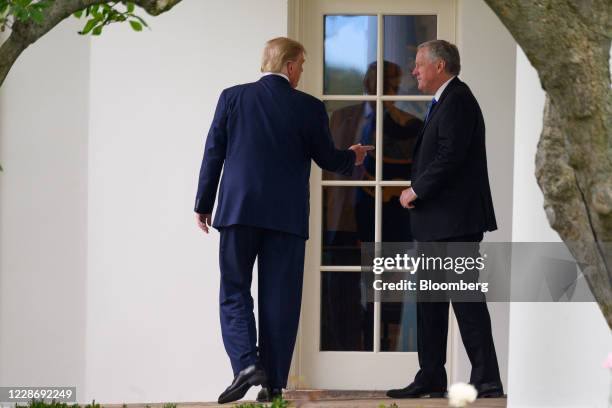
pixel 449 170
pixel 264 135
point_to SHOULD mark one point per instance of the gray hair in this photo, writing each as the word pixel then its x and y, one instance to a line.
pixel 445 51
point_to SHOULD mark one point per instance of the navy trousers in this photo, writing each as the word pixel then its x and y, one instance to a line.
pixel 280 265
pixel 474 325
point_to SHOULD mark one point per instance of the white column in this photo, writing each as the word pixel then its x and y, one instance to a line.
pixel 43 212
pixel 556 349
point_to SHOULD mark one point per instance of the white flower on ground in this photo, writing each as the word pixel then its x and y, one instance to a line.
pixel 608 364
pixel 461 394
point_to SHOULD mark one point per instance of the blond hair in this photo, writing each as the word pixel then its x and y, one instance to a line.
pixel 278 52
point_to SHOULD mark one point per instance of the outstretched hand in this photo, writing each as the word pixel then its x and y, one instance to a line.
pixel 360 152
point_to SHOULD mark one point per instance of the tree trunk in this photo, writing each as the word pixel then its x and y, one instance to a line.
pixel 568 43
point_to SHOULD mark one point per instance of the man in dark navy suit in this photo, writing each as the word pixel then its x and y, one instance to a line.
pixel 450 201
pixel 264 135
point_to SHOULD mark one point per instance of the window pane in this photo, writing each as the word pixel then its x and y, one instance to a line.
pixel 402 123
pixel 398 320
pixel 402 36
pixel 348 220
pixel 395 218
pixel 350 47
pixel 352 122
pixel 347 319
pixel 398 326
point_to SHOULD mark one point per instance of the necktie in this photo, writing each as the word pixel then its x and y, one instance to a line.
pixel 368 129
pixel 430 108
pixel 367 133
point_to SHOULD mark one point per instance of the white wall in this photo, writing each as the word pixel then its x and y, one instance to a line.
pixel 105 282
pixel 43 203
pixel 153 327
pixel 488 67
pixel 556 349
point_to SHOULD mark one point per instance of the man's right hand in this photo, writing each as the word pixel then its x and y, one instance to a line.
pixel 360 152
pixel 203 221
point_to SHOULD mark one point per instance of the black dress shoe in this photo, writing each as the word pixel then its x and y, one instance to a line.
pixel 252 375
pixel 415 390
pixel 491 393
pixel 269 394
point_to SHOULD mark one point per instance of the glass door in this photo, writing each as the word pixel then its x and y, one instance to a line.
pixel 359 62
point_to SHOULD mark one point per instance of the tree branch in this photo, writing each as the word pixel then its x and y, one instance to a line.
pixel 24 34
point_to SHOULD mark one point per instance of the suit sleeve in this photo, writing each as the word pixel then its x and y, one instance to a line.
pixel 212 162
pixel 322 148
pixel 455 130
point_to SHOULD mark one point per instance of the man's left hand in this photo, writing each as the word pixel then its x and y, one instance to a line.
pixel 407 198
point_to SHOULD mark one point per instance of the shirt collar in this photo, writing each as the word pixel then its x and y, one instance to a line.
pixel 442 88
pixel 275 73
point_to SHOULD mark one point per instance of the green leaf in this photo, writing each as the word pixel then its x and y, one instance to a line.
pixel 89 26
pixel 78 14
pixel 37 16
pixel 136 25
pixel 144 23
pixel 97 30
pixel 41 5
pixel 20 13
pixel 130 7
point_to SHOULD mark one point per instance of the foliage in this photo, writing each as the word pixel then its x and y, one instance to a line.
pixel 54 404
pixel 277 403
pixel 100 15
pixel 41 404
pixel 343 80
pixel 22 11
pixel 34 13
pixel 93 405
pixel 34 403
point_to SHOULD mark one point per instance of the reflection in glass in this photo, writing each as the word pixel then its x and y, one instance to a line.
pixel 398 320
pixel 402 123
pixel 347 320
pixel 352 122
pixel 350 45
pixel 402 36
pixel 348 220
pixel 398 326
pixel 395 218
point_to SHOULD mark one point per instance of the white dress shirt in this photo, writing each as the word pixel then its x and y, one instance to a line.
pixel 441 89
pixel 275 73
